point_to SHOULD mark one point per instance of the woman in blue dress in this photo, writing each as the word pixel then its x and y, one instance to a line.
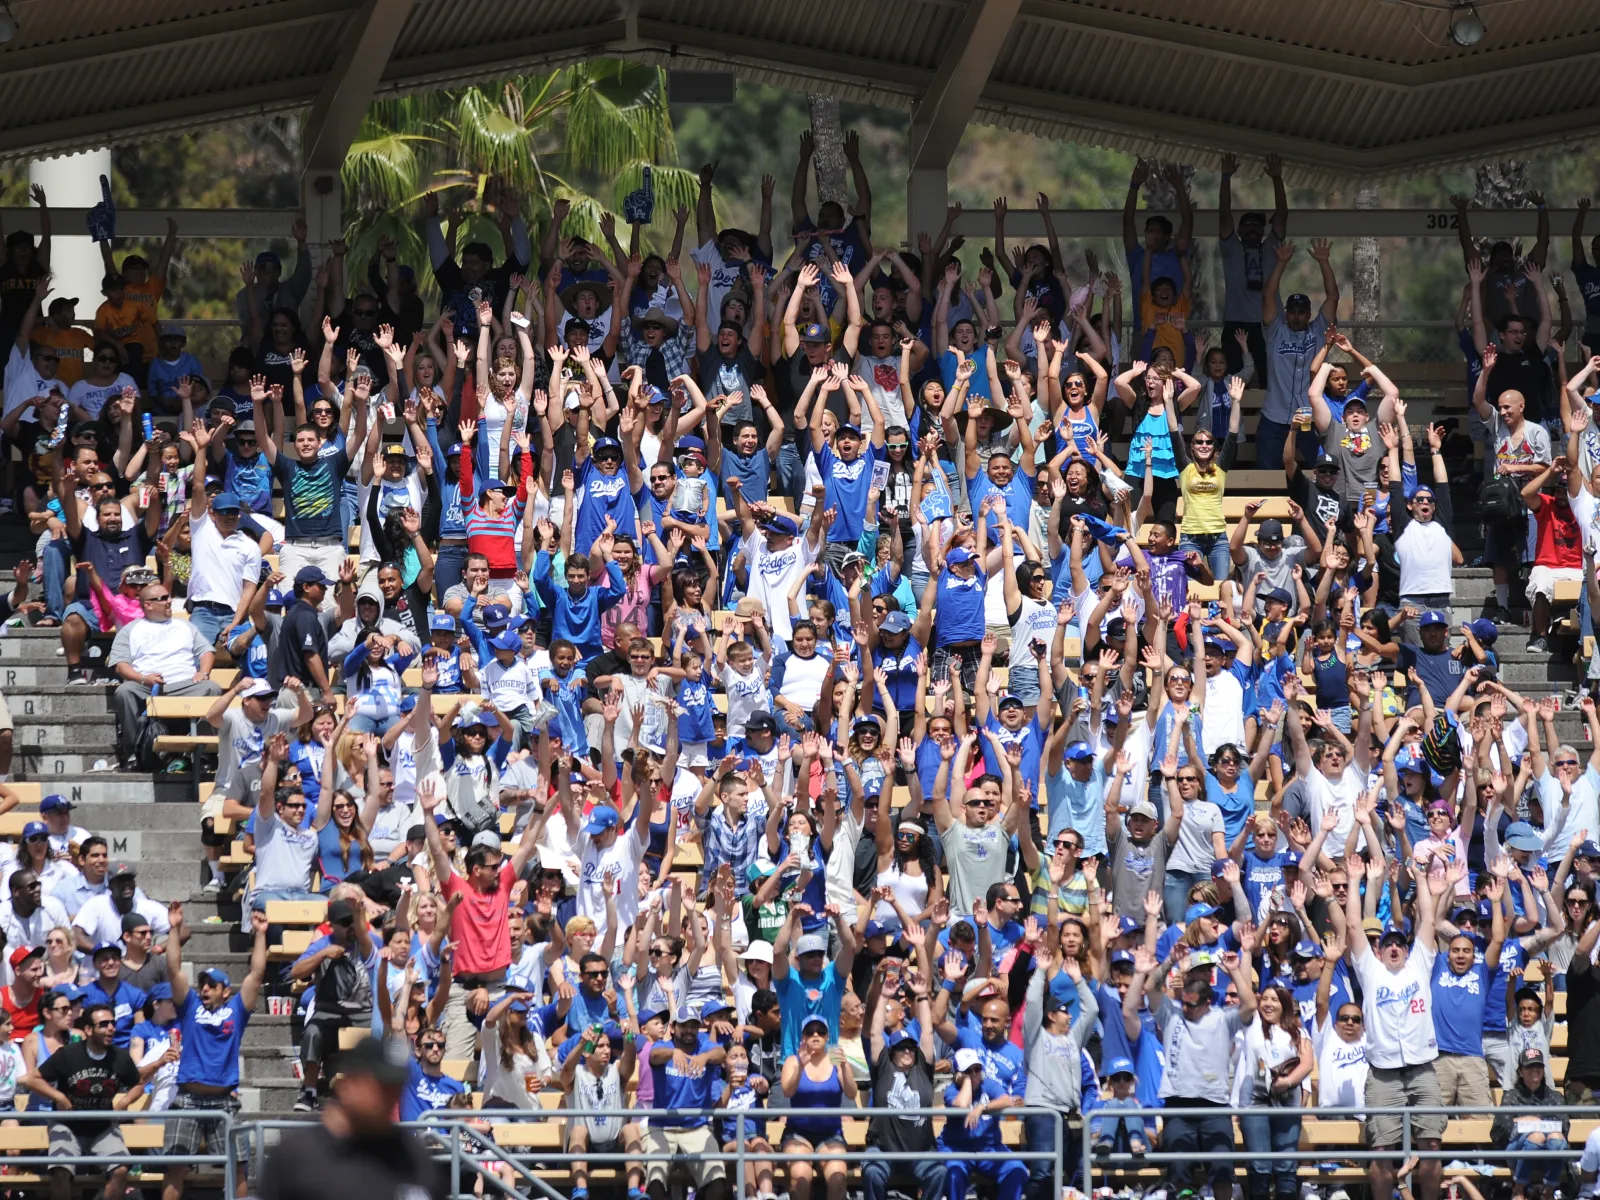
pixel 815 1078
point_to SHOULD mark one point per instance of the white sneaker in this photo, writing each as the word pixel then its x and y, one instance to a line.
pixel 214 885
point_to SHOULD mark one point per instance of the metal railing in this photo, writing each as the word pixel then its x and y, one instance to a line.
pixel 232 1132
pixel 1116 1162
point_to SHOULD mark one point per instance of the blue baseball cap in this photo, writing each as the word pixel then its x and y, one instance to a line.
pixel 784 524
pixel 278 598
pixel 606 443
pixel 1279 594
pixel 1401 929
pixel 72 992
pixel 113 947
pixel 268 259
pixel 307 576
pixel 601 818
pixel 494 615
pixel 714 1005
pixel 877 929
pixel 507 639
pixel 161 991
pixel 959 555
pixel 1121 956
pixel 517 1006
pixel 1587 850
pixel 468 717
pixel 1119 1066
pixel 895 622
pixel 35 829
pixel 900 1037
pixel 54 803
pixel 1079 752
pixel 1195 911
pixel 225 502
pixel 443 622
pixel 497 485
pixel 1484 630
pixel 1306 948
pixel 216 975
pixel 1520 835
pixel 1433 616
pixel 690 442
pixel 1010 699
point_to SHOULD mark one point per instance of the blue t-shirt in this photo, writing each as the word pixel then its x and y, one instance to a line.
pixel 695 697
pixel 311 494
pixel 1030 736
pixel 986 1136
pixel 1258 875
pixel 126 1003
pixel 1004 1063
pixel 847 484
pixel 423 1093
pixel 602 496
pixel 1237 806
pixel 211 1040
pixel 799 998
pixel 677 1090
pixel 1458 1004
pixel 752 473
pixel 1018 497
pixel 250 479
pixel 959 603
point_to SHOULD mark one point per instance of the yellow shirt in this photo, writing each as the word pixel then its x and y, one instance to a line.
pixel 1202 500
pixel 1160 322
pixel 131 323
pixel 69 343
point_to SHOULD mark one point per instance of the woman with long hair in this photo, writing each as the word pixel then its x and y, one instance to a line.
pixel 502 386
pixel 53 1032
pixel 311 750
pixel 63 965
pixel 343 848
pixel 516 1065
pixel 906 864
pixel 1276 1058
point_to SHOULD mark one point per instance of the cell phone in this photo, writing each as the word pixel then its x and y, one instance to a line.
pixel 517 319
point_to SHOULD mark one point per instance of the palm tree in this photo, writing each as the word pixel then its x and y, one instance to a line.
pixel 583 134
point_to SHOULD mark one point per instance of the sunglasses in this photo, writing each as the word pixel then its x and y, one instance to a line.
pixel 365 312
pixel 595 974
pixel 161 599
pixel 1566 762
pixel 1351 1018
pixel 430 1045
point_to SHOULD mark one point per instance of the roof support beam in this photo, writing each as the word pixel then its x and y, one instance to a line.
pixel 252 224
pixel 947 106
pixel 1304 223
pixel 364 52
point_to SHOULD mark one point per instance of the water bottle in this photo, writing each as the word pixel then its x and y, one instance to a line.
pixel 155 689
pixel 60 433
pixel 149 428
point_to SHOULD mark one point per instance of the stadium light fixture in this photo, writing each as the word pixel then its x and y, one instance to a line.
pixel 1466 26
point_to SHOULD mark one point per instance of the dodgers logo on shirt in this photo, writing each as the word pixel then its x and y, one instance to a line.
pixel 775 566
pixel 607 487
pixel 848 470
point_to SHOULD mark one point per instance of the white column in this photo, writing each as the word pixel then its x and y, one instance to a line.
pixel 73 181
pixel 927 198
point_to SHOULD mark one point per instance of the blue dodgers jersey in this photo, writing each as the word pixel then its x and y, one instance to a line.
pixel 211 1040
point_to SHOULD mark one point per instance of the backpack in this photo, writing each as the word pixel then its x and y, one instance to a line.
pixel 343 989
pixel 1500 501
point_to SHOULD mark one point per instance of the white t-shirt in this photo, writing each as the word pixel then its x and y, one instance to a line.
pixel 92 397
pixel 1338 795
pixel 622 859
pixel 772 574
pixel 1223 723
pixel 1259 1054
pixel 1341 1067
pixel 221 565
pixel 1423 550
pixel 1590 1161
pixel 1398 1006
pixel 23 381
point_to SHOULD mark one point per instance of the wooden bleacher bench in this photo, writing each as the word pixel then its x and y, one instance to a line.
pixel 185 744
pixel 194 708
pixel 300 917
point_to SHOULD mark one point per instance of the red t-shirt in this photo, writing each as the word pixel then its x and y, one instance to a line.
pixel 480 930
pixel 24 1020
pixel 1560 542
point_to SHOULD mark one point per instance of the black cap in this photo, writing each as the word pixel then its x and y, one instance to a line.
pixel 385 1061
pixel 341 912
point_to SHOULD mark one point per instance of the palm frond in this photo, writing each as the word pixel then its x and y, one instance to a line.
pixel 383 171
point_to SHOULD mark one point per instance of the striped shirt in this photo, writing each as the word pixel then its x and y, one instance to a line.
pixel 494 537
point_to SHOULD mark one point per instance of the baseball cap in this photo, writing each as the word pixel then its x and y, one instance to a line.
pixel 134 921
pixel 1080 752
pixel 506 639
pixel 686 1015
pixel 1281 595
pixel 1119 957
pixel 384 1059
pixel 1432 616
pixel 1014 701
pixel 395 448
pixel 119 869
pixel 780 523
pixel 161 991
pixel 494 615
pixel 811 943
pixel 760 721
pixel 959 555
pixel 715 1004
pixel 105 947
pixel 256 687
pixel 1142 808
pixel 54 802
pixel 1531 1057
pixel 1484 629
pixel 170 329
pixel 35 829
pixel 1119 1066
pixel 877 929
pixel 1325 462
pixel 814 333
pixel 1589 850
pixel 853 430
pixel 341 912
pixel 443 622
pixel 966 1059
pixel 486 839
pixel 812 1020
pixel 900 1037
pixel 1520 835
pixel 216 975
pixel 310 575
pixel 1195 911
pixel 601 818
pixel 1270 531
pixel 895 622
pixel 225 502
pixel 22 954
pixel 468 717
pixel 1401 930
pixel 1306 948
pixel 757 951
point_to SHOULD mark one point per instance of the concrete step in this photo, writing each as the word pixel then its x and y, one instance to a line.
pixel 41 700
pixel 88 730
pixel 270 1064
pixel 58 758
pixel 96 787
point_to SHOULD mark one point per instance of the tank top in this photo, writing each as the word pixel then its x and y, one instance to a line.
pixel 817 1093
pixel 911 891
pixel 42 1051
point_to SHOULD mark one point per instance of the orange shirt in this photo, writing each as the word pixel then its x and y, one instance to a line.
pixel 69 343
pixel 131 323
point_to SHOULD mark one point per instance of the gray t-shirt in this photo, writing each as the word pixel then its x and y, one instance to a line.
pixel 1197 1053
pixel 1245 270
pixel 1289 356
pixel 283 854
pixel 975 860
pixel 240 740
pixel 1280 570
pixel 1195 851
pixel 1358 456
pixel 1136 870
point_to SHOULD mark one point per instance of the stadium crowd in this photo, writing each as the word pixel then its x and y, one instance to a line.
pixel 760 680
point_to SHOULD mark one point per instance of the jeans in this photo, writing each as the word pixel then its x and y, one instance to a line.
pixel 1213 547
pixel 377 725
pixel 209 622
pixel 791 473
pixel 1008 1174
pixel 1527 1170
pixel 1205 1135
pixel 1039 1133
pixel 1175 890
pixel 931 1177
pixel 1266 1133
pixel 57 562
pixel 449 566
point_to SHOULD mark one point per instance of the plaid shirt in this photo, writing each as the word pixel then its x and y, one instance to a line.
pixel 676 350
pixel 722 842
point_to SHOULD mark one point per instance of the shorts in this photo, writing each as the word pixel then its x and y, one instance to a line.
pixel 191 1135
pixel 1542 580
pixel 831 1142
pixel 1403 1087
pixel 693 754
pixel 706 1165
pixel 66 1143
